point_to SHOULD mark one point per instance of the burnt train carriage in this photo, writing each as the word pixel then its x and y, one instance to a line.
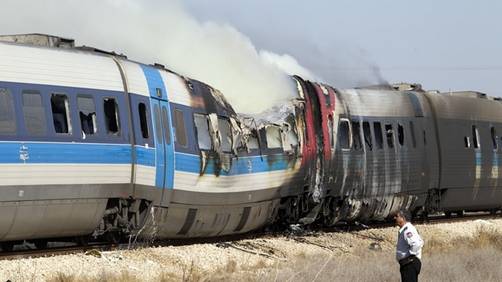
pixel 91 141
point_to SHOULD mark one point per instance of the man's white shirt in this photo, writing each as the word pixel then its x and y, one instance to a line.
pixel 409 242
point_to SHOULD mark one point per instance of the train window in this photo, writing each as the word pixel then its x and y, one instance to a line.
pixel 167 129
pixel 7 114
pixel 412 131
pixel 202 131
pixel 330 132
pixel 33 113
pixel 158 126
pixel 467 142
pixel 377 128
pixel 389 133
pixel 61 113
pixel 400 134
pixel 475 137
pixel 252 142
pixel 367 136
pixel 143 120
pixel 87 113
pixel 494 138
pixel 226 135
pixel 344 134
pixel 292 138
pixel 179 123
pixel 274 139
pixel 111 116
pixel 356 136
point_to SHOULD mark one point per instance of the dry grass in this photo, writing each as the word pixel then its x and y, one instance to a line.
pixel 475 258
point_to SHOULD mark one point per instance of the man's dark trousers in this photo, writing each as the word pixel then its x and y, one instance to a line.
pixel 410 271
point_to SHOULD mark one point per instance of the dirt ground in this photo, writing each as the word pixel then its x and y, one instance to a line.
pixel 461 251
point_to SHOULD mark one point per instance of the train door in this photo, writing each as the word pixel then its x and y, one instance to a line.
pixel 164 145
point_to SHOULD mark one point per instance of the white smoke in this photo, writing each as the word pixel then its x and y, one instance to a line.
pixel 163 32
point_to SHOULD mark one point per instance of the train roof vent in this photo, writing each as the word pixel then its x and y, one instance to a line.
pixel 39 39
pixel 469 94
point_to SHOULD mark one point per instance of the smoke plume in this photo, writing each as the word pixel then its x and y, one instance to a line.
pixel 163 32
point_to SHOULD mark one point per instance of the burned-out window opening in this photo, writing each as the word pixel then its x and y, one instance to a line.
pixel 7 114
pixel 344 134
pixel 180 131
pixel 389 133
pixel 87 114
pixel 143 120
pixel 356 136
pixel 165 123
pixel 425 138
pixel 158 125
pixel 111 110
pixel 252 142
pixel 33 113
pixel 61 113
pixel 475 137
pixel 412 131
pixel 467 142
pixel 367 136
pixel 274 139
pixel 400 134
pixel 226 134
pixel 202 131
pixel 493 132
pixel 377 129
pixel 292 138
pixel 330 132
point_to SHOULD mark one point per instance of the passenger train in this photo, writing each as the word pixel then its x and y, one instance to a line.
pixel 94 144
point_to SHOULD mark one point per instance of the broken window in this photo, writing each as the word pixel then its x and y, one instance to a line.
pixel 274 140
pixel 292 138
pixel 143 120
pixel 179 124
pixel 356 136
pixel 494 138
pixel 467 142
pixel 7 114
pixel 61 113
pixel 344 134
pixel 33 113
pixel 377 129
pixel 202 131
pixel 330 132
pixel 367 136
pixel 475 137
pixel 111 110
pixel 226 135
pixel 412 131
pixel 87 113
pixel 389 133
pixel 252 142
pixel 400 134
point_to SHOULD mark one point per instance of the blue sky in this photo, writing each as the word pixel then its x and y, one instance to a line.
pixel 446 45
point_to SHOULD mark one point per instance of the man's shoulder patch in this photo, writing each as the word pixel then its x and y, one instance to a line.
pixel 409 234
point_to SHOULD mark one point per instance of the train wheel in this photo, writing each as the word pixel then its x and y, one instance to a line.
pixel 112 237
pixel 7 246
pixel 82 240
pixel 40 244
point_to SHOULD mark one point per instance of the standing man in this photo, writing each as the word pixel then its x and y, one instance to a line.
pixel 409 247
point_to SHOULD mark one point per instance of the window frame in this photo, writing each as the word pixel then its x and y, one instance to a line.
pixel 379 137
pixel 196 129
pixel 43 117
pixel 96 122
pixel 117 116
pixel 180 113
pixel 349 134
pixel 13 122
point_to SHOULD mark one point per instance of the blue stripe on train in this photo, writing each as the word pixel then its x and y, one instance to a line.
pixel 243 165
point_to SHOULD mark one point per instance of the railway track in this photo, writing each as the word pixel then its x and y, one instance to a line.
pixel 233 241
